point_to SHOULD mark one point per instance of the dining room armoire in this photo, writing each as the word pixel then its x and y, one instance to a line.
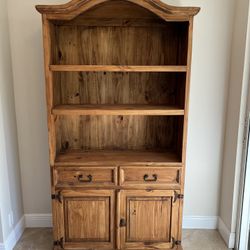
pixel 117 85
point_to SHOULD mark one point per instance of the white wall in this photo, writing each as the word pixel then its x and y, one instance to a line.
pixel 211 56
pixel 10 184
pixel 213 29
pixel 239 80
pixel 1 231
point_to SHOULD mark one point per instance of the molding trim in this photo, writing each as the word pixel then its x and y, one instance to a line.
pixel 200 222
pixel 38 220
pixel 14 236
pixel 228 237
pixel 189 222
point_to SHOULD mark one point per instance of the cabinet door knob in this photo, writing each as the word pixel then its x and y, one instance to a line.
pixel 123 223
pixel 146 177
pixel 89 178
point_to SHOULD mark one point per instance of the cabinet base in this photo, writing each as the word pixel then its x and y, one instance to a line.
pixel 175 248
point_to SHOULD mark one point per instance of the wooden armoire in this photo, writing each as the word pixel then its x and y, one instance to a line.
pixel 117 85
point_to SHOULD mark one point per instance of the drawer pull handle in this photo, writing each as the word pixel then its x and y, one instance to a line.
pixel 80 178
pixel 146 177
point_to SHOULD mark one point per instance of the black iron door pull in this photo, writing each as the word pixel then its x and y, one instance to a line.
pixel 123 223
pixel 80 178
pixel 146 177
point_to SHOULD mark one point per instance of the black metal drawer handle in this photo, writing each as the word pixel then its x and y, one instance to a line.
pixel 80 178
pixel 146 177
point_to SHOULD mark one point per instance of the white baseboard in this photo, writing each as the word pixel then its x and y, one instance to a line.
pixel 38 220
pixel 189 222
pixel 14 236
pixel 225 233
pixel 200 222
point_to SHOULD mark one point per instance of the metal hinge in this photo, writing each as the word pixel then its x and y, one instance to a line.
pixel 178 242
pixel 178 196
pixel 175 242
pixel 57 197
pixel 246 132
pixel 59 243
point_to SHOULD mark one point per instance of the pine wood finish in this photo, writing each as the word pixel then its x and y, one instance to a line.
pixel 117 85
pixel 86 219
pixel 151 219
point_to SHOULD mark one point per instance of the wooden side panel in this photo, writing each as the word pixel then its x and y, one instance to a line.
pixel 189 43
pixel 48 41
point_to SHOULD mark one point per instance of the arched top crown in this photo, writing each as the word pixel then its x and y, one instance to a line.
pixel 74 8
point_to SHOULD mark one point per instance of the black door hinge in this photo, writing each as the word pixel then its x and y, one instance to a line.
pixel 178 196
pixel 57 196
pixel 59 243
pixel 177 242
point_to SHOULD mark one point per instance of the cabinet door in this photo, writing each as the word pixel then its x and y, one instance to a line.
pixel 85 219
pixel 148 219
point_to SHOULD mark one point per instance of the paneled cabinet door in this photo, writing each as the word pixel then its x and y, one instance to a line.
pixel 85 219
pixel 148 219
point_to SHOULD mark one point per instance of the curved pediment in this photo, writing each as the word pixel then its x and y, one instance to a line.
pixel 74 8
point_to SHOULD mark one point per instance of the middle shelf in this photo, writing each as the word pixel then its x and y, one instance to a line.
pixel 121 109
pixel 118 68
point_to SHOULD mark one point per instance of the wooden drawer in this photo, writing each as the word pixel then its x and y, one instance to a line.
pixel 85 176
pixel 150 176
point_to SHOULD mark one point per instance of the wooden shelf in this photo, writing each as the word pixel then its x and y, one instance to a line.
pixel 77 157
pixel 117 110
pixel 117 68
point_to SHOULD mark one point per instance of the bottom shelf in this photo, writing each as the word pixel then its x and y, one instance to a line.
pixel 78 157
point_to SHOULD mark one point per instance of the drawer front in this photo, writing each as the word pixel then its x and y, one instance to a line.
pixel 85 176
pixel 150 176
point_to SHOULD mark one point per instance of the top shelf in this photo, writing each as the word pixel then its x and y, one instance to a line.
pixel 117 68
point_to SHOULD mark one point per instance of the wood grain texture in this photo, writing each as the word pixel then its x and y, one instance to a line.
pixel 47 42
pixel 117 133
pixel 185 124
pixel 85 176
pixel 116 68
pixel 145 219
pixel 119 49
pixel 119 88
pixel 87 218
pixel 165 176
pixel 79 157
pixel 74 8
pixel 152 110
pixel 143 212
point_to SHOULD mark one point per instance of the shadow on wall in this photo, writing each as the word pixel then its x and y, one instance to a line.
pixel 11 195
